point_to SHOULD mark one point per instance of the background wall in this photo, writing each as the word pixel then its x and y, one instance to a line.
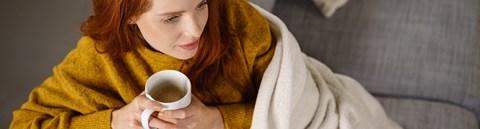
pixel 34 37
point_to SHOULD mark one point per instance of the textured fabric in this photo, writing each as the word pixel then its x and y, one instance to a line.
pixel 328 7
pixel 420 114
pixel 422 49
pixel 255 38
pixel 265 4
pixel 87 86
pixel 298 92
pixel 240 115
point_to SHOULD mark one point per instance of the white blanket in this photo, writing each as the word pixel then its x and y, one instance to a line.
pixel 299 92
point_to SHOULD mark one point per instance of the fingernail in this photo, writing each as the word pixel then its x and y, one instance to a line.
pixel 161 114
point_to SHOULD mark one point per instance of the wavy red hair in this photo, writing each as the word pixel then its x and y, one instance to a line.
pixel 216 57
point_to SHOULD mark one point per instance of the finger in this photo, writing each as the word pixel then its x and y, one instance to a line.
pixel 143 92
pixel 163 118
pixel 143 103
pixel 190 110
pixel 177 114
pixel 170 120
pixel 157 123
pixel 189 123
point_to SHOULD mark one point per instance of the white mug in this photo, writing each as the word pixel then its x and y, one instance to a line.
pixel 160 86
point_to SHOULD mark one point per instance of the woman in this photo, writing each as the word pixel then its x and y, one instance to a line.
pixel 223 46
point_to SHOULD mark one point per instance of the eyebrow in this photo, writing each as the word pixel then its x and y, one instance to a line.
pixel 171 13
pixel 177 12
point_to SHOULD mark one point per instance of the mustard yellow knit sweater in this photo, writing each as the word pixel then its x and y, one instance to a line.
pixel 87 86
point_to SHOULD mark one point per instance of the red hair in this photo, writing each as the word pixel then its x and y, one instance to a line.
pixel 216 57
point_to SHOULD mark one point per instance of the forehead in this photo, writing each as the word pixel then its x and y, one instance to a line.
pixel 162 6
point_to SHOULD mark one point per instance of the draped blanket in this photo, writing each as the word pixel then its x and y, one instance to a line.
pixel 299 92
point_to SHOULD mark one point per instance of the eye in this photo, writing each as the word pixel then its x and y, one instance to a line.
pixel 170 20
pixel 202 5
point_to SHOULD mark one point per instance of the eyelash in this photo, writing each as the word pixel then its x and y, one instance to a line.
pixel 202 5
pixel 173 19
pixel 170 20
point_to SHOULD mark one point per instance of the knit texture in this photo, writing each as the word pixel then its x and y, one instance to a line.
pixel 87 86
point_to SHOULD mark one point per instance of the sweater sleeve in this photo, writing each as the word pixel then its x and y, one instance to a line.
pixel 75 96
pixel 239 116
pixel 259 47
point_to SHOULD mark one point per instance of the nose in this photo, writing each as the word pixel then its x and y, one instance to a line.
pixel 193 27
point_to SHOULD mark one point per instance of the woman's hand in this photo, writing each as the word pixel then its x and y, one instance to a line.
pixel 195 116
pixel 129 117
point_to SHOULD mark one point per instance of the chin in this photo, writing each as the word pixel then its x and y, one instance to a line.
pixel 186 56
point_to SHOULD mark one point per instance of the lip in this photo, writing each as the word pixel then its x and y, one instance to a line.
pixel 190 46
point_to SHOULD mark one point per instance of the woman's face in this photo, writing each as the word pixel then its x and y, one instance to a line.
pixel 174 27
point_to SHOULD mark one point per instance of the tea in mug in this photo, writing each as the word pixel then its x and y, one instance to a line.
pixel 169 93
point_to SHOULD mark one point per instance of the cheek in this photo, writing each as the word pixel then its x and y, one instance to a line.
pixel 204 18
pixel 147 30
pixel 157 35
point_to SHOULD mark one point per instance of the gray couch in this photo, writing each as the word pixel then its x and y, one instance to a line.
pixel 419 58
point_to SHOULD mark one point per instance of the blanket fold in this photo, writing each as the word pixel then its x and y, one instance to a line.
pixel 299 92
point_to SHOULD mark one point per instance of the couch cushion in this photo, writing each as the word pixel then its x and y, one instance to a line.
pixel 415 48
pixel 420 114
pixel 265 4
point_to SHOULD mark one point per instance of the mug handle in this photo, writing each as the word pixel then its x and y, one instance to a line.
pixel 145 115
